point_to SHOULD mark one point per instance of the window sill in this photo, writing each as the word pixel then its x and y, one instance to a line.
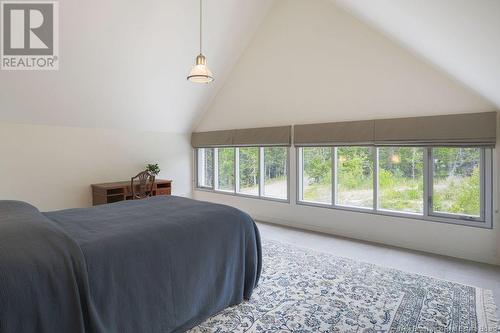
pixel 241 195
pixel 413 216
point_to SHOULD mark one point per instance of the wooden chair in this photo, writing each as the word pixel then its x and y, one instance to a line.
pixel 144 187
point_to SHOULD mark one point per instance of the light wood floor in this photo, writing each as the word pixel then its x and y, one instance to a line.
pixel 456 270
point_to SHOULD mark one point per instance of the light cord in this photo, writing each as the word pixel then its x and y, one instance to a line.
pixel 201 17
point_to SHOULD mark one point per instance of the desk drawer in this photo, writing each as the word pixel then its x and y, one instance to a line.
pixel 164 191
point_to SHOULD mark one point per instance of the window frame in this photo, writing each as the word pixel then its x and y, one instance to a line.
pixel 262 180
pixel 425 179
pixel 373 152
pixel 216 174
pixel 236 188
pixel 300 177
pixel 486 165
pixel 483 192
pixel 237 173
pixel 197 169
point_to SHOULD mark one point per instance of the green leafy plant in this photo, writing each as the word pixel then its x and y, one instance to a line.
pixel 153 169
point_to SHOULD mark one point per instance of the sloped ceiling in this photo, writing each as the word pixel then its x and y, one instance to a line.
pixel 461 37
pixel 313 61
pixel 123 64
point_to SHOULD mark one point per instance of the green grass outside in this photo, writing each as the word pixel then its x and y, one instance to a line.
pixel 451 195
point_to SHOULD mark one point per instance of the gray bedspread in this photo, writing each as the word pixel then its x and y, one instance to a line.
pixel 158 265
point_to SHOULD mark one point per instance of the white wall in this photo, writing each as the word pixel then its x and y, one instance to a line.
pixel 53 167
pixel 123 66
pixel 311 62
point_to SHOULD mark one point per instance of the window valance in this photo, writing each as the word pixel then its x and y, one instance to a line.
pixel 265 136
pixel 477 129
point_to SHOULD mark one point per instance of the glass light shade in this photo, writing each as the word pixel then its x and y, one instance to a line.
pixel 200 72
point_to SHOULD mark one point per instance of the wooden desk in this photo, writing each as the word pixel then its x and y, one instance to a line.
pixel 113 192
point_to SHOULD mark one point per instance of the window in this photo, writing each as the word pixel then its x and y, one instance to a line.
pixel 205 167
pixel 354 176
pixel 261 172
pixel 275 172
pixel 445 184
pixel 401 179
pixel 456 181
pixel 316 174
pixel 248 171
pixel 225 169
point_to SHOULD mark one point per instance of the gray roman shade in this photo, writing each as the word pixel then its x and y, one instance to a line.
pixel 477 129
pixel 210 139
pixel 266 136
pixel 342 133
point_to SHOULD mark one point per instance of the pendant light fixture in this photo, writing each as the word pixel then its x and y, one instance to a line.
pixel 200 72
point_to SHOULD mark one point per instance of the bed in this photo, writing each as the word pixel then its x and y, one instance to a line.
pixel 162 264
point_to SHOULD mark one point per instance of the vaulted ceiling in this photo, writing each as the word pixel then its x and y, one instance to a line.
pixel 461 37
pixel 123 63
pixel 313 61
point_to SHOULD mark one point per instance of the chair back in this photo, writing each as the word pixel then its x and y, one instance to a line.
pixel 142 185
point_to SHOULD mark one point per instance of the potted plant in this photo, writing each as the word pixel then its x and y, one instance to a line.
pixel 153 169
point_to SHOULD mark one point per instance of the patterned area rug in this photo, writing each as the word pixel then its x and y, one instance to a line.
pixel 305 291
